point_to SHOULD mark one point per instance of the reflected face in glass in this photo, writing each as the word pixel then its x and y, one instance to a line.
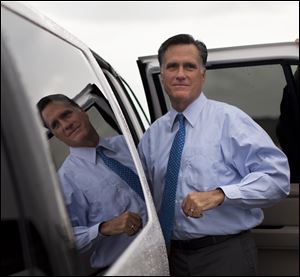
pixel 182 74
pixel 69 124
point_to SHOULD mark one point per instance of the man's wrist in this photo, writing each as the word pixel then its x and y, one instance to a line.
pixel 221 196
pixel 102 229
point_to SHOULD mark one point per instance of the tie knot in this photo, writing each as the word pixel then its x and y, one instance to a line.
pixel 180 118
pixel 99 149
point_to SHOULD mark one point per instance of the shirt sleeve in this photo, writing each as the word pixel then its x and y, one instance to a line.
pixel 77 208
pixel 86 236
pixel 263 168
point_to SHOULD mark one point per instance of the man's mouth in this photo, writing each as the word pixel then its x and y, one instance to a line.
pixel 180 85
pixel 74 131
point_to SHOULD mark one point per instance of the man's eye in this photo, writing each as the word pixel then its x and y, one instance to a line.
pixel 67 114
pixel 171 66
pixel 54 125
pixel 191 66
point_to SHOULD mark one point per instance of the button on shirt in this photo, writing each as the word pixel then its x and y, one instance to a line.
pixel 94 194
pixel 224 148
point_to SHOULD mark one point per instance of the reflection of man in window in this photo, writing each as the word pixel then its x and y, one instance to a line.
pixel 106 213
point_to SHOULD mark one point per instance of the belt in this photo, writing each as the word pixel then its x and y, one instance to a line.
pixel 194 244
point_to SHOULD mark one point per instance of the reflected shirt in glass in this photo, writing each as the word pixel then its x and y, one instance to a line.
pixel 224 148
pixel 94 194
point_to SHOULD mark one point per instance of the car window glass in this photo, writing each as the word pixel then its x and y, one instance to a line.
pixel 257 90
pixel 35 52
pixel 47 65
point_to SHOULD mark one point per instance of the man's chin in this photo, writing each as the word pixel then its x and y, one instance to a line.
pixel 180 96
pixel 75 140
pixel 180 92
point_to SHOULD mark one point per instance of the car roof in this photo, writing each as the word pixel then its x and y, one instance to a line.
pixel 245 53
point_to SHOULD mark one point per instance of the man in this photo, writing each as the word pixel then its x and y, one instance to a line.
pixel 105 212
pixel 210 171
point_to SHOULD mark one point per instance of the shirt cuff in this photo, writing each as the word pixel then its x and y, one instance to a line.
pixel 231 192
pixel 94 232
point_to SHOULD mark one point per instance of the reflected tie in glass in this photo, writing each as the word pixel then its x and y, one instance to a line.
pixel 123 171
pixel 166 214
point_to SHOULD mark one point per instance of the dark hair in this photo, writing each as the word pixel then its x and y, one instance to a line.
pixel 183 39
pixel 54 98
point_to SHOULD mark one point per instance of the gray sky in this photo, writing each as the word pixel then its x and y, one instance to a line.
pixel 121 31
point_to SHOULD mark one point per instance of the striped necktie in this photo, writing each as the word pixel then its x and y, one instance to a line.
pixel 122 171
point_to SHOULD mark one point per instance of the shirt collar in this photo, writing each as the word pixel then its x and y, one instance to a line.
pixel 191 113
pixel 89 153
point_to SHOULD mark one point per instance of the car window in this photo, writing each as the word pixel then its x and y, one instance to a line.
pixel 257 90
pixel 47 65
pixel 44 69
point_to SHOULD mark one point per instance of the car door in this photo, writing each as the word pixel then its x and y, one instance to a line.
pixel 252 78
pixel 39 58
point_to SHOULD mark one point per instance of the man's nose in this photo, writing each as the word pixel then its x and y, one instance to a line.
pixel 180 73
pixel 65 124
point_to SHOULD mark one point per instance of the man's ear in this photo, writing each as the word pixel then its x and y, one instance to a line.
pixel 203 74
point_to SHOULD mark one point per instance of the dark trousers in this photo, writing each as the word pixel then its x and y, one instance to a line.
pixel 236 256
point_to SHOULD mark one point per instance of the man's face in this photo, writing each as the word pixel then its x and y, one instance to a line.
pixel 182 75
pixel 68 123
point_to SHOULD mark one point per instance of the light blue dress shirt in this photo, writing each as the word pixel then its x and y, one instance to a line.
pixel 224 148
pixel 94 194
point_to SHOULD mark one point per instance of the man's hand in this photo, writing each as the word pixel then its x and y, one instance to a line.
pixel 196 203
pixel 128 222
